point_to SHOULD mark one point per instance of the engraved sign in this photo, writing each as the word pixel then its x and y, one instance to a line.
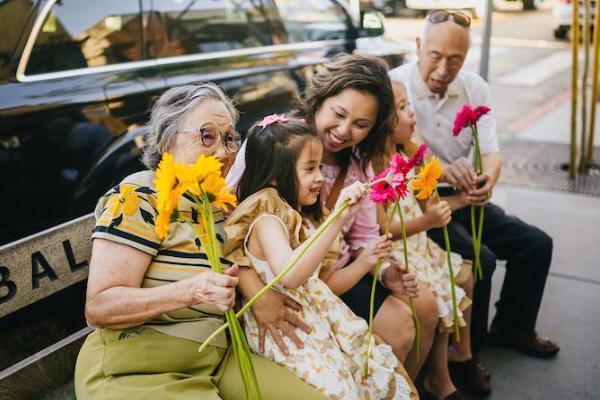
pixel 42 264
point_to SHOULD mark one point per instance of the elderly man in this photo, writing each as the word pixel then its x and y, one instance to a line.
pixel 437 89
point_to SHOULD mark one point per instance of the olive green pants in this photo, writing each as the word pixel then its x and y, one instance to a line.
pixel 141 363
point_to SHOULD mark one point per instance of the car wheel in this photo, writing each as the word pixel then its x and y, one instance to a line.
pixel 561 32
pixel 530 4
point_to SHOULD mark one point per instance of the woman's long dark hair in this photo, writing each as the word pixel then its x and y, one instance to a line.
pixel 271 155
pixel 364 74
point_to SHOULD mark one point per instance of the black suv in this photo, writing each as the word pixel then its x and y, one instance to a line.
pixel 78 77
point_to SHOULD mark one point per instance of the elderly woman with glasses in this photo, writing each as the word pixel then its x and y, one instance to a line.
pixel 153 301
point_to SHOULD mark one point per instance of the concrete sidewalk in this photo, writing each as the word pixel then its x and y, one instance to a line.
pixel 568 314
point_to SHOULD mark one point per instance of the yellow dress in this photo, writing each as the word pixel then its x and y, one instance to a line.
pixel 334 352
pixel 428 261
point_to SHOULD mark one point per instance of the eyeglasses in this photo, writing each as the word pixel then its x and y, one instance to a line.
pixel 210 135
pixel 439 16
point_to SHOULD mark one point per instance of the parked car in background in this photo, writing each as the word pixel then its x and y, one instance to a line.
pixel 78 77
pixel 475 7
pixel 562 17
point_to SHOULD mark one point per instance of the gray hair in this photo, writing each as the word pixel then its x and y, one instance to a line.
pixel 169 112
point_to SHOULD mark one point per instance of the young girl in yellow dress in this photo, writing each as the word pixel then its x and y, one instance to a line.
pixel 281 183
pixel 427 259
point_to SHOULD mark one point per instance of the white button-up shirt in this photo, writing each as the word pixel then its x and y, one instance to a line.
pixel 435 115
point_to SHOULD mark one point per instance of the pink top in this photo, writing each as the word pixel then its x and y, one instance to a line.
pixel 363 226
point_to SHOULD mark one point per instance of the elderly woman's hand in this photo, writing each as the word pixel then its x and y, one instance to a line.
pixel 273 315
pixel 213 288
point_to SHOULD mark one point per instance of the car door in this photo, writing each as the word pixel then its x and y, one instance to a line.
pixel 76 91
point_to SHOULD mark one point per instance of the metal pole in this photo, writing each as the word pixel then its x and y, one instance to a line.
pixel 574 91
pixel 592 132
pixel 584 81
pixel 484 63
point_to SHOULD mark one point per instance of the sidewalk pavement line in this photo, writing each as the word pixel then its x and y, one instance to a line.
pixel 515 42
pixel 539 112
pixel 538 71
pixel 561 275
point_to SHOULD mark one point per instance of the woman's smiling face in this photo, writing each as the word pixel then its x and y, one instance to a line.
pixel 344 120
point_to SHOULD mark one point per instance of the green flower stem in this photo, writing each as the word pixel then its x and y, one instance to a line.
pixel 452 282
pixel 332 217
pixel 388 227
pixel 476 234
pixel 410 299
pixel 240 346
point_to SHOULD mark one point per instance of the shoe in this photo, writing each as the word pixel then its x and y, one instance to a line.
pixel 530 344
pixel 471 375
pixel 456 395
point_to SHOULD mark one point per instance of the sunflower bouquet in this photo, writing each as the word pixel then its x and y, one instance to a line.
pixel 203 184
pixel 424 186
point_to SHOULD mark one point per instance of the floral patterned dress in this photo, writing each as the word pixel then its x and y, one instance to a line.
pixel 334 352
pixel 428 260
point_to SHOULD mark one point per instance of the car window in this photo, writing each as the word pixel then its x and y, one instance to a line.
pixel 310 20
pixel 177 27
pixel 80 34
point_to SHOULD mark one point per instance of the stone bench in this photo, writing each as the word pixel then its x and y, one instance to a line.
pixel 31 270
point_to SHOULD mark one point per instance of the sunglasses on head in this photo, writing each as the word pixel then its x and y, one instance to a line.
pixel 439 16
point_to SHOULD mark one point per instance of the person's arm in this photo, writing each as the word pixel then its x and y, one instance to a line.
pixel 365 226
pixel 485 182
pixel 342 280
pixel 116 300
pixel 269 240
pixel 272 312
pixel 435 215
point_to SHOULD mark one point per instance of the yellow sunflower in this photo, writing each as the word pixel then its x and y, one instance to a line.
pixel 427 179
pixel 218 193
pixel 165 182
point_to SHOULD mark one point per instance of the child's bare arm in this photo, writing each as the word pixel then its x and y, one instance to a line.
pixel 342 280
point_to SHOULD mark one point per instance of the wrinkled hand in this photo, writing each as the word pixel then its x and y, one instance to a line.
pixel 482 192
pixel 399 281
pixel 273 316
pixel 437 214
pixel 460 174
pixel 378 248
pixel 214 288
pixel 354 194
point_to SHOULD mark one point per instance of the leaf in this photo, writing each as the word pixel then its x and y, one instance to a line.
pixel 116 222
pixel 146 216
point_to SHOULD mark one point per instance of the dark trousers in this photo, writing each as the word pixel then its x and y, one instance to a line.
pixel 528 253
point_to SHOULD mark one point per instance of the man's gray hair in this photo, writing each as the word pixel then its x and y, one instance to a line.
pixel 169 113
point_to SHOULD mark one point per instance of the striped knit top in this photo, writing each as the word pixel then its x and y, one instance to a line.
pixel 126 214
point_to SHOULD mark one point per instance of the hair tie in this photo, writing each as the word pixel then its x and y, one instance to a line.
pixel 273 119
